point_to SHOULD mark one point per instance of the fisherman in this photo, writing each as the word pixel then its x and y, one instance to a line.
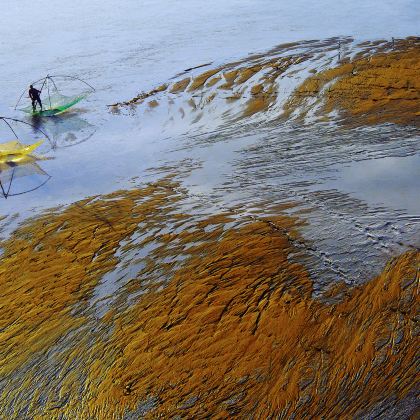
pixel 34 95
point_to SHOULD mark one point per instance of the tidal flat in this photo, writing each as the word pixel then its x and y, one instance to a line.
pixel 218 318
pixel 238 239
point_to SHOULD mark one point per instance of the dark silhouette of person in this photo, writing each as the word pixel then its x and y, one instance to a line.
pixel 34 95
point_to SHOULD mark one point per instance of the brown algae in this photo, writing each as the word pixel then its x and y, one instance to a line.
pixel 230 329
pixel 375 88
pixel 378 84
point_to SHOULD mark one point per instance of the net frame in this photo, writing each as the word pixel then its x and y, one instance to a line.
pixel 8 120
pixel 49 80
pixel 5 190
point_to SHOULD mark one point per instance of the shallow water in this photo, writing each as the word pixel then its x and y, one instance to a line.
pixel 124 49
pixel 386 182
pixel 143 44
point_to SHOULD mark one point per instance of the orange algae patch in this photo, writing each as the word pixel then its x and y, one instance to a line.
pixel 384 88
pixel 230 77
pixel 46 270
pixel 213 81
pixel 379 88
pixel 201 79
pixel 235 331
pixel 210 98
pixel 247 73
pixel 161 88
pixel 180 86
pixel 261 99
pixel 141 97
pixel 256 89
pixel 233 75
pixel 256 105
pixel 234 97
pixel 54 262
pixel 265 93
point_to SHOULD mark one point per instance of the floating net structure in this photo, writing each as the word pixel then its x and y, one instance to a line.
pixel 14 150
pixel 58 94
pixel 21 178
pixel 19 171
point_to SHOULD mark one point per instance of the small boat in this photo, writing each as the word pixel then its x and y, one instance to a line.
pixel 56 104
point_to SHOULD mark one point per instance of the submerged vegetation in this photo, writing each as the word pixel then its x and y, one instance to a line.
pixel 370 88
pixel 151 302
pixel 216 319
pixel 367 83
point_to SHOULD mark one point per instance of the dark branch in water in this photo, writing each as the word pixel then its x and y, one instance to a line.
pixel 197 67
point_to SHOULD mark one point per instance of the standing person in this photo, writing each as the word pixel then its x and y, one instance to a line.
pixel 34 95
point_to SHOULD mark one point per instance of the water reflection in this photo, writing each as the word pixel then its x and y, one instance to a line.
pixel 386 181
pixel 19 171
pixel 22 177
pixel 17 178
pixel 65 130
